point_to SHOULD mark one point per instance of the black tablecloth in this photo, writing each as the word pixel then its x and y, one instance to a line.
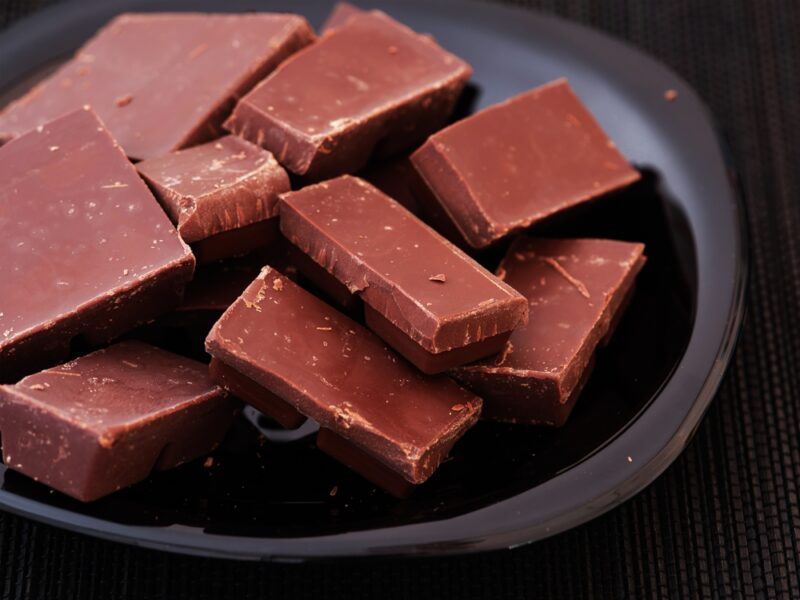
pixel 723 521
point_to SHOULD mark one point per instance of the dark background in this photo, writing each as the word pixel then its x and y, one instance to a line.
pixel 723 521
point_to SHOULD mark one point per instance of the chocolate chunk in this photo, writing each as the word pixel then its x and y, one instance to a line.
pixel 518 162
pixel 106 420
pixel 371 84
pixel 162 81
pixel 282 344
pixel 340 14
pixel 577 289
pixel 219 194
pixel 87 250
pixel 381 251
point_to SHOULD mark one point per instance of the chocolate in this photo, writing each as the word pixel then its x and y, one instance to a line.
pixel 87 250
pixel 395 179
pixel 164 81
pixel 340 14
pixel 220 195
pixel 369 85
pixel 518 162
pixel 283 344
pixel 105 421
pixel 424 296
pixel 578 290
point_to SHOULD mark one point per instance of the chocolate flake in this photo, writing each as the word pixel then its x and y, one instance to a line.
pixel 565 274
pixel 439 277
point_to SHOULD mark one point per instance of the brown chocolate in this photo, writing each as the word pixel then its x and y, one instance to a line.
pixel 368 85
pixel 424 288
pixel 219 195
pixel 162 81
pixel 577 289
pixel 515 163
pixel 106 420
pixel 331 369
pixel 87 250
pixel 340 14
pixel 395 179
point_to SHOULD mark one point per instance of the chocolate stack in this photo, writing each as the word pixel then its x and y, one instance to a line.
pixel 296 212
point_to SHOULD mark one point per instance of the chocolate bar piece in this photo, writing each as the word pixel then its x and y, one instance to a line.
pixel 285 351
pixel 86 249
pixel 340 14
pixel 425 297
pixel 577 289
pixel 165 81
pixel 371 84
pixel 108 419
pixel 222 195
pixel 515 163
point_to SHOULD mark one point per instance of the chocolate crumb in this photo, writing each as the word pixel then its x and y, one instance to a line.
pixel 209 462
pixel 37 386
pixel 457 407
pixel 277 285
pixel 324 328
pixel 439 277
pixel 334 490
pixel 670 95
pixel 124 100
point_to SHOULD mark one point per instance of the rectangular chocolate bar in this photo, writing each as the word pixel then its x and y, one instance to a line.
pixel 425 297
pixel 515 163
pixel 162 81
pixel 222 195
pixel 577 289
pixel 286 352
pixel 369 85
pixel 87 250
pixel 108 419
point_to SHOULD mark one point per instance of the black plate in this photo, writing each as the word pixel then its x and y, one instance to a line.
pixel 504 485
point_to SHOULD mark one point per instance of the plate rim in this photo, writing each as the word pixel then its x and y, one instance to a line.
pixel 372 542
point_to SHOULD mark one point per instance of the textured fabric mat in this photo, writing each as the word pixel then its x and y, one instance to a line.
pixel 722 522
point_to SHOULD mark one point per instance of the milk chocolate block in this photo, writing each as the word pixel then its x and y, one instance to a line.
pixel 425 297
pixel 368 85
pixel 163 81
pixel 87 250
pixel 279 345
pixel 515 163
pixel 577 289
pixel 222 195
pixel 107 420
pixel 340 14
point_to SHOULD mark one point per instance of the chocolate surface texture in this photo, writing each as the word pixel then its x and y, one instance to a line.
pixel 108 419
pixel 340 14
pixel 371 85
pixel 223 190
pixel 327 367
pixel 518 162
pixel 577 289
pixel 162 81
pixel 420 287
pixel 87 250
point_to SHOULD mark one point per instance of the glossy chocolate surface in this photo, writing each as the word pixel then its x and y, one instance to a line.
pixel 336 372
pixel 102 422
pixel 163 81
pixel 87 250
pixel 371 84
pixel 518 162
pixel 422 284
pixel 216 187
pixel 576 289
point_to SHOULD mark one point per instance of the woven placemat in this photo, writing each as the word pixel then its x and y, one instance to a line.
pixel 722 522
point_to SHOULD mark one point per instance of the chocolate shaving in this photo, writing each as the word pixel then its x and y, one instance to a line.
pixel 124 100
pixel 439 277
pixel 565 274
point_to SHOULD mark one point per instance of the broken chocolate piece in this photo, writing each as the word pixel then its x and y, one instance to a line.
pixel 340 14
pixel 162 81
pixel 515 163
pixel 220 195
pixel 87 250
pixel 371 84
pixel 325 366
pixel 108 419
pixel 382 252
pixel 577 289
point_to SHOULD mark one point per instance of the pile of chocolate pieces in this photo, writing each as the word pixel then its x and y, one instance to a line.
pixel 314 196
